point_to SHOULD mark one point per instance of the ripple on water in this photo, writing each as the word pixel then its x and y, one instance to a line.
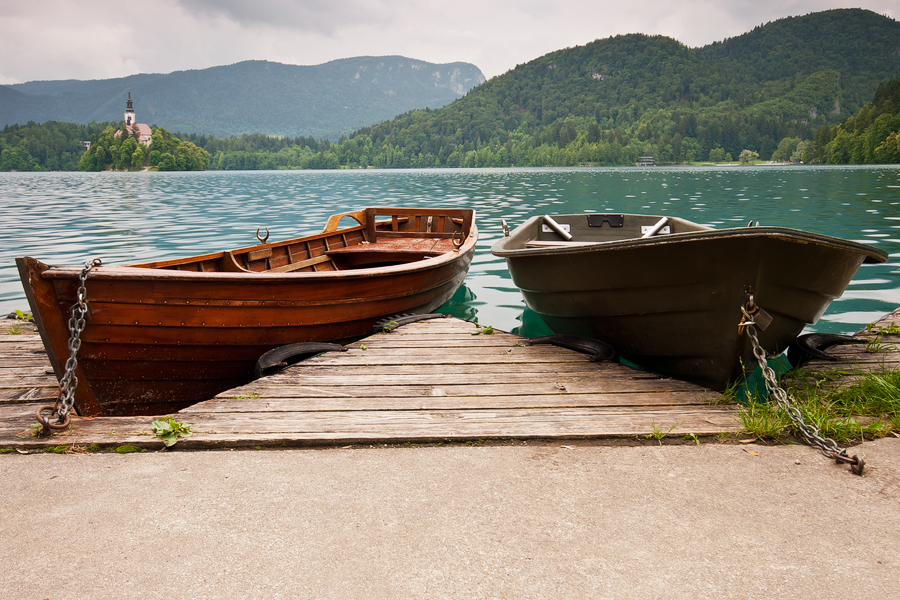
pixel 125 218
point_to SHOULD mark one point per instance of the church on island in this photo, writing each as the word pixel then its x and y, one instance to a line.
pixel 140 130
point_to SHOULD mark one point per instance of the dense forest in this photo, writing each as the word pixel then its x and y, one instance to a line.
pixel 616 99
pixel 872 136
pixel 821 88
pixel 46 147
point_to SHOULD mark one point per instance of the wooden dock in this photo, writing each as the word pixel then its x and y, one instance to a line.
pixel 436 381
pixel 880 352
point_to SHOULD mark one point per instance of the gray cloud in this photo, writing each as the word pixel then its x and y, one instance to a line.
pixel 318 16
pixel 97 39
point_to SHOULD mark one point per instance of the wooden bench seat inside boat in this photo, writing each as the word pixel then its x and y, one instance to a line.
pixel 389 251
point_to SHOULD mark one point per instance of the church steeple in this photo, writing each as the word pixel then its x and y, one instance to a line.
pixel 129 112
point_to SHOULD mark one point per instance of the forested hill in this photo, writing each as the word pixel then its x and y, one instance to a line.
pixel 258 97
pixel 614 99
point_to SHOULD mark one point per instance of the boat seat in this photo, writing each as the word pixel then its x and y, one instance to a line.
pixel 556 244
pixel 388 251
pixel 299 264
pixel 399 245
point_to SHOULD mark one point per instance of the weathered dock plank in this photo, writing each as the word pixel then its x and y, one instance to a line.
pixel 879 353
pixel 428 381
pixel 381 426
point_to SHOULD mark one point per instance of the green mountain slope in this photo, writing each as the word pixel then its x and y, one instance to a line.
pixel 251 97
pixel 614 99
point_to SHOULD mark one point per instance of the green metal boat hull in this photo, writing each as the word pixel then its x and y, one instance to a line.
pixel 672 303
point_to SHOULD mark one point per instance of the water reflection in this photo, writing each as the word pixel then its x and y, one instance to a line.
pixel 123 218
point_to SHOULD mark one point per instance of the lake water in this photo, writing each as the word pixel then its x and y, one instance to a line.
pixel 124 218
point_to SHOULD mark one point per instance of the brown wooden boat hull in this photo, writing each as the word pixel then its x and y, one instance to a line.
pixel 159 340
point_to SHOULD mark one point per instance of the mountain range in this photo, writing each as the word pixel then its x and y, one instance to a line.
pixel 779 90
pixel 323 101
pixel 614 99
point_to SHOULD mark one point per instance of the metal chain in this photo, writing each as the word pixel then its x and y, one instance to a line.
pixel 810 433
pixel 69 382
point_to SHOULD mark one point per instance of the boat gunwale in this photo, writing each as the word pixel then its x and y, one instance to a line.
pixel 873 254
pixel 155 274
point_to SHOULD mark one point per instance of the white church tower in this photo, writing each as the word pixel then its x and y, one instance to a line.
pixel 130 119
pixel 141 131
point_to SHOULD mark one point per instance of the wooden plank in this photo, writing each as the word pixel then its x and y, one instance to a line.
pixel 480 385
pixel 319 400
pixel 478 379
pixel 310 368
pixel 383 426
pixel 300 264
pixel 472 353
pixel 28 383
pixel 23 372
pixel 373 359
pixel 28 394
pixel 15 360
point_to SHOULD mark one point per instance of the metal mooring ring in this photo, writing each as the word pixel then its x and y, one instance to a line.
pixel 45 421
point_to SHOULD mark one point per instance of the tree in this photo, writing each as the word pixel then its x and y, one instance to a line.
pixel 748 157
pixel 786 149
pixel 803 153
pixel 126 150
pixel 17 158
pixel 717 155
pixel 167 162
pixel 137 157
pixel 889 151
pixel 191 158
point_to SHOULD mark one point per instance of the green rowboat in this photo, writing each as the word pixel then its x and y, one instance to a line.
pixel 667 293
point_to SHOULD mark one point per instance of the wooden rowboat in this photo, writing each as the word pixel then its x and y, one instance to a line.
pixel 164 335
pixel 668 293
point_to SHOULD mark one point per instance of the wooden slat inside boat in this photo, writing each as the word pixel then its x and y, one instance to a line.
pixel 167 334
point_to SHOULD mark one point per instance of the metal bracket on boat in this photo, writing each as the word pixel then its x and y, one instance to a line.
pixel 557 228
pixel 753 315
pixel 456 244
pixel 505 227
pixel 262 240
pixel 655 228
pixel 810 433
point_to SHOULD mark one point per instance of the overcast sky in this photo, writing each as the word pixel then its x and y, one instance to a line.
pixel 100 39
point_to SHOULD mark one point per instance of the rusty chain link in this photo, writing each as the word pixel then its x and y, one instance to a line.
pixel 68 383
pixel 810 433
